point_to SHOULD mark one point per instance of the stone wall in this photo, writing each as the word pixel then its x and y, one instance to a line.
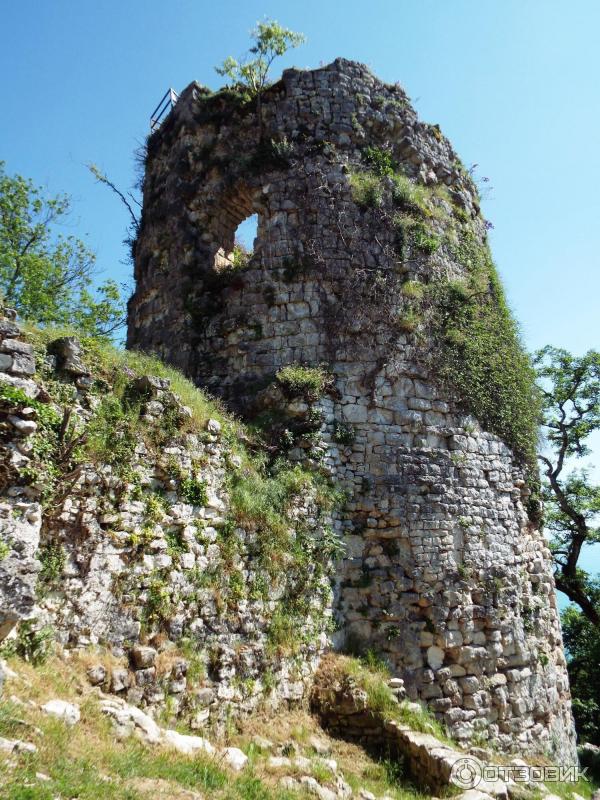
pixel 445 574
pixel 131 550
pixel 20 514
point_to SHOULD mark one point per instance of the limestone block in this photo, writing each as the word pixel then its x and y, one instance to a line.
pixel 435 657
pixel 188 745
pixel 67 712
pixel 355 413
pixel 235 758
pixel 143 657
pixel 23 364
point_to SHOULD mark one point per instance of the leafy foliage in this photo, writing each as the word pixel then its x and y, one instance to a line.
pixel 570 390
pixel 343 432
pixel 379 160
pixel 571 396
pixel 194 491
pixel 33 642
pixel 241 256
pixel 309 382
pixel 271 40
pixel 415 233
pixel 44 274
pixel 582 642
pixel 111 433
pixel 53 559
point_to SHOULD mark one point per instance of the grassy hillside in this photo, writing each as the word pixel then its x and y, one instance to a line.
pixel 85 761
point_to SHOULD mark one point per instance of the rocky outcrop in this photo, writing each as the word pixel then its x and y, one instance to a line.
pixel 371 265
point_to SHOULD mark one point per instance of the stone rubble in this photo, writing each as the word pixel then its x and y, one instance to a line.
pixel 130 720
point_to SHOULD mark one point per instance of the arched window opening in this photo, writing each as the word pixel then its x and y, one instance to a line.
pixel 243 241
pixel 237 226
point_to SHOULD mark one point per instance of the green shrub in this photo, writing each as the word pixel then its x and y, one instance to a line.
pixel 308 382
pixel 332 545
pixel 425 239
pixel 379 160
pixel 284 635
pixel 194 491
pixel 415 233
pixel 32 643
pixel 240 257
pixel 53 558
pixel 412 197
pixel 237 587
pixel 343 432
pixel 366 189
pixel 111 434
pixel 175 543
pixel 413 290
pixel 271 154
pixel 261 501
pixel 158 605
pixel 408 321
pixel 13 396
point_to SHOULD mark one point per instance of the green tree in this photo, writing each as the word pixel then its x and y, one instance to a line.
pixel 582 642
pixel 45 275
pixel 570 388
pixel 271 40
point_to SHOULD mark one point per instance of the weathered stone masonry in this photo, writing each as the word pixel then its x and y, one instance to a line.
pixel 444 573
pixel 183 603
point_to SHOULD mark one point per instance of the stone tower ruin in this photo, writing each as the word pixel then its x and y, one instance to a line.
pixel 370 264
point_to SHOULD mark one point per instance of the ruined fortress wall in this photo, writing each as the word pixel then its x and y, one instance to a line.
pixel 444 573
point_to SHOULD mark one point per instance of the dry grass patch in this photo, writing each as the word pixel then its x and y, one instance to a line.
pixel 359 769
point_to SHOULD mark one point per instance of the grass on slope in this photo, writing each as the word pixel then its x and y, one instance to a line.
pixel 86 761
pixel 259 495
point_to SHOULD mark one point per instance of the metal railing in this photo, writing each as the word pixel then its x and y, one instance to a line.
pixel 163 109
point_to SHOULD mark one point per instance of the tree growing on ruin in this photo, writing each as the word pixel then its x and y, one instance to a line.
pixel 570 389
pixel 271 40
pixel 45 275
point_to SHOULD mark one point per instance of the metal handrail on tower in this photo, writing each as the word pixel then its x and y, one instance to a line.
pixel 163 109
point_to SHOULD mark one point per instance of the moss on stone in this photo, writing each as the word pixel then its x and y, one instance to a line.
pixel 478 350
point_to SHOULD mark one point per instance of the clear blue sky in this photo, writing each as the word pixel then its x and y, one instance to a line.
pixel 513 83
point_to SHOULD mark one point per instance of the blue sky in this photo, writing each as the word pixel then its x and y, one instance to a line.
pixel 513 84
